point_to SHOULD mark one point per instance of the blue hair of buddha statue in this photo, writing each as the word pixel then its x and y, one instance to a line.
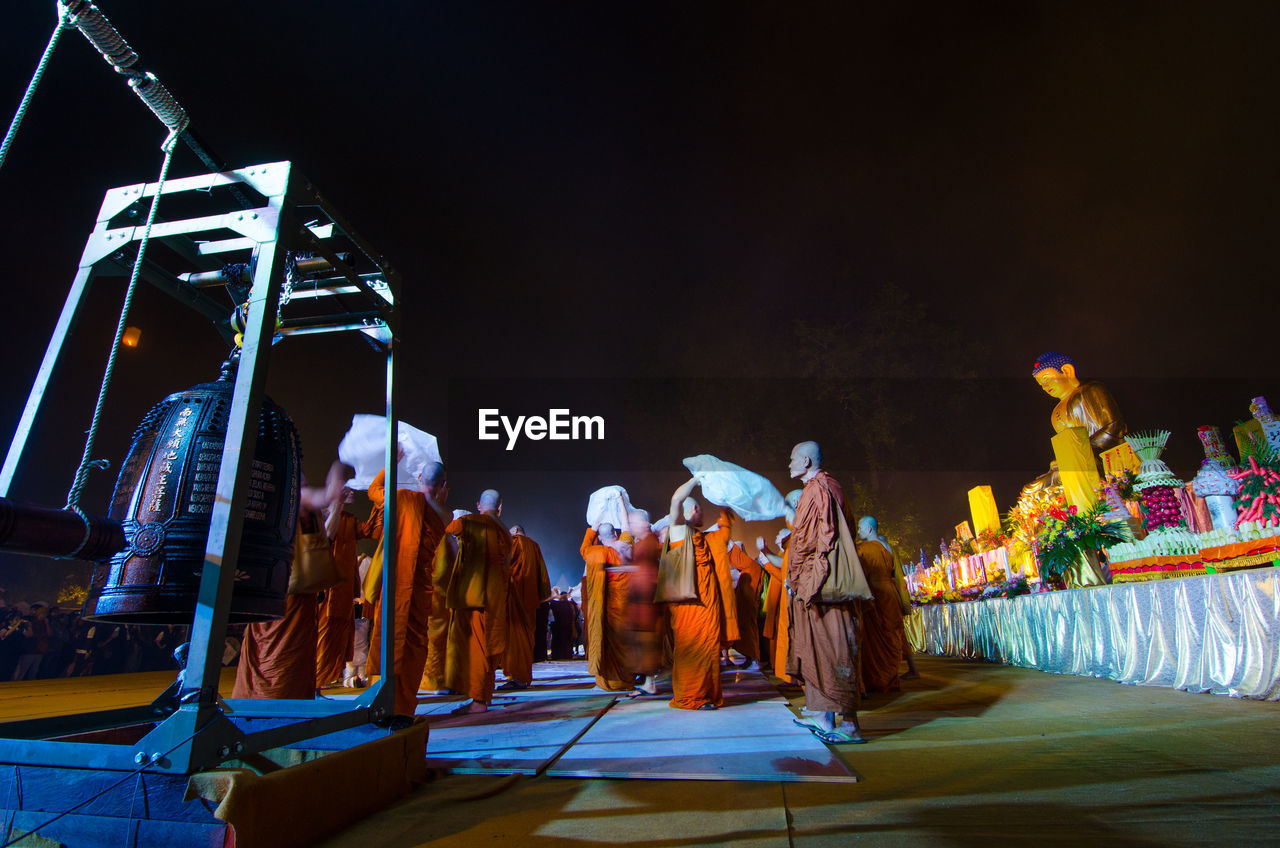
pixel 1051 359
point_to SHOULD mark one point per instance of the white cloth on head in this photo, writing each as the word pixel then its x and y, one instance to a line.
pixel 364 449
pixel 661 524
pixel 610 505
pixel 747 493
pixel 458 513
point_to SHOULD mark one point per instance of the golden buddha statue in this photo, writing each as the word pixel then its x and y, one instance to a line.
pixel 1087 405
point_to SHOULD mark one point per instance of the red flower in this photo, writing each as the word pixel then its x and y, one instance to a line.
pixel 1072 509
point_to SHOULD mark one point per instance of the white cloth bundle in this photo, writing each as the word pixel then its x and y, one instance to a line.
pixel 364 449
pixel 609 505
pixel 747 493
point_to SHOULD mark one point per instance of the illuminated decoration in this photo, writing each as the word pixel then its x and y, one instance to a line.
pixel 1077 467
pixel 1267 421
pixel 982 507
pixel 963 531
pixel 131 337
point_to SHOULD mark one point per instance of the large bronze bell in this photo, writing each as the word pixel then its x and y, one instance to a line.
pixel 164 498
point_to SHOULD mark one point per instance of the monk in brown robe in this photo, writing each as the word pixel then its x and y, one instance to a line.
pixel 605 589
pixel 476 599
pixel 335 622
pixel 438 617
pixel 824 636
pixel 645 620
pixel 278 658
pixel 747 598
pixel 420 523
pixel 700 627
pixel 530 585
pixel 882 632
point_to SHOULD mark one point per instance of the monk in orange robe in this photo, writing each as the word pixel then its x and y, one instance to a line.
pixel 869 530
pixel 777 616
pixel 335 620
pixel 476 598
pixel 278 658
pixel 824 636
pixel 700 627
pixel 420 524
pixel 605 589
pixel 644 620
pixel 530 585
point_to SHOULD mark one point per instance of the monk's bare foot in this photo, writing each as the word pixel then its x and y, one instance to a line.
pixel 648 686
pixel 708 707
pixel 471 708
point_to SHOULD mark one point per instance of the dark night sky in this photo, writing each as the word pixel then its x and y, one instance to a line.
pixel 587 200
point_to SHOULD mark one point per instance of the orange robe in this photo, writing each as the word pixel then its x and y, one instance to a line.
pixel 335 622
pixel 718 543
pixel 780 637
pixel 530 585
pixel 604 611
pixel 278 658
pixel 698 630
pixel 882 631
pixel 476 598
pixel 824 636
pixel 438 618
pixel 418 531
pixel 747 601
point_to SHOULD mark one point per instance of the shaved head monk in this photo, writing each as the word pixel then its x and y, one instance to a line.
pixel 278 658
pixel 605 588
pixel 702 626
pixel 421 516
pixel 824 643
pixel 530 585
pixel 476 599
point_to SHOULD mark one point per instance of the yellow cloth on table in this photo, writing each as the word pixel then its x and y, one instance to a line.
pixel 1120 459
pixel 1077 466
pixel 982 506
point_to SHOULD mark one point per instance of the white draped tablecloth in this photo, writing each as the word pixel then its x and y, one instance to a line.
pixel 1219 633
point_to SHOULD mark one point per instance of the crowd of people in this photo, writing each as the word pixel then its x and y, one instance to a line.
pixel 662 604
pixel 39 641
pixel 473 597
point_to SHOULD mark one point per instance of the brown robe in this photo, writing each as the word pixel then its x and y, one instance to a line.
pixel 335 621
pixel 476 599
pixel 530 586
pixel 824 636
pixel 747 600
pixel 645 621
pixel 882 633
pixel 278 658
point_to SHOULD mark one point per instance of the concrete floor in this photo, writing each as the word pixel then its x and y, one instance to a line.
pixel 971 754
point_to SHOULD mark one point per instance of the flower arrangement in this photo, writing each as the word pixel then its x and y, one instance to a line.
pixel 1023 523
pixel 1007 588
pixel 1069 534
pixel 989 540
pixel 1121 484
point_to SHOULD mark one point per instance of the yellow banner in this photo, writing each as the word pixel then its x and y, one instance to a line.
pixel 982 506
pixel 1077 466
